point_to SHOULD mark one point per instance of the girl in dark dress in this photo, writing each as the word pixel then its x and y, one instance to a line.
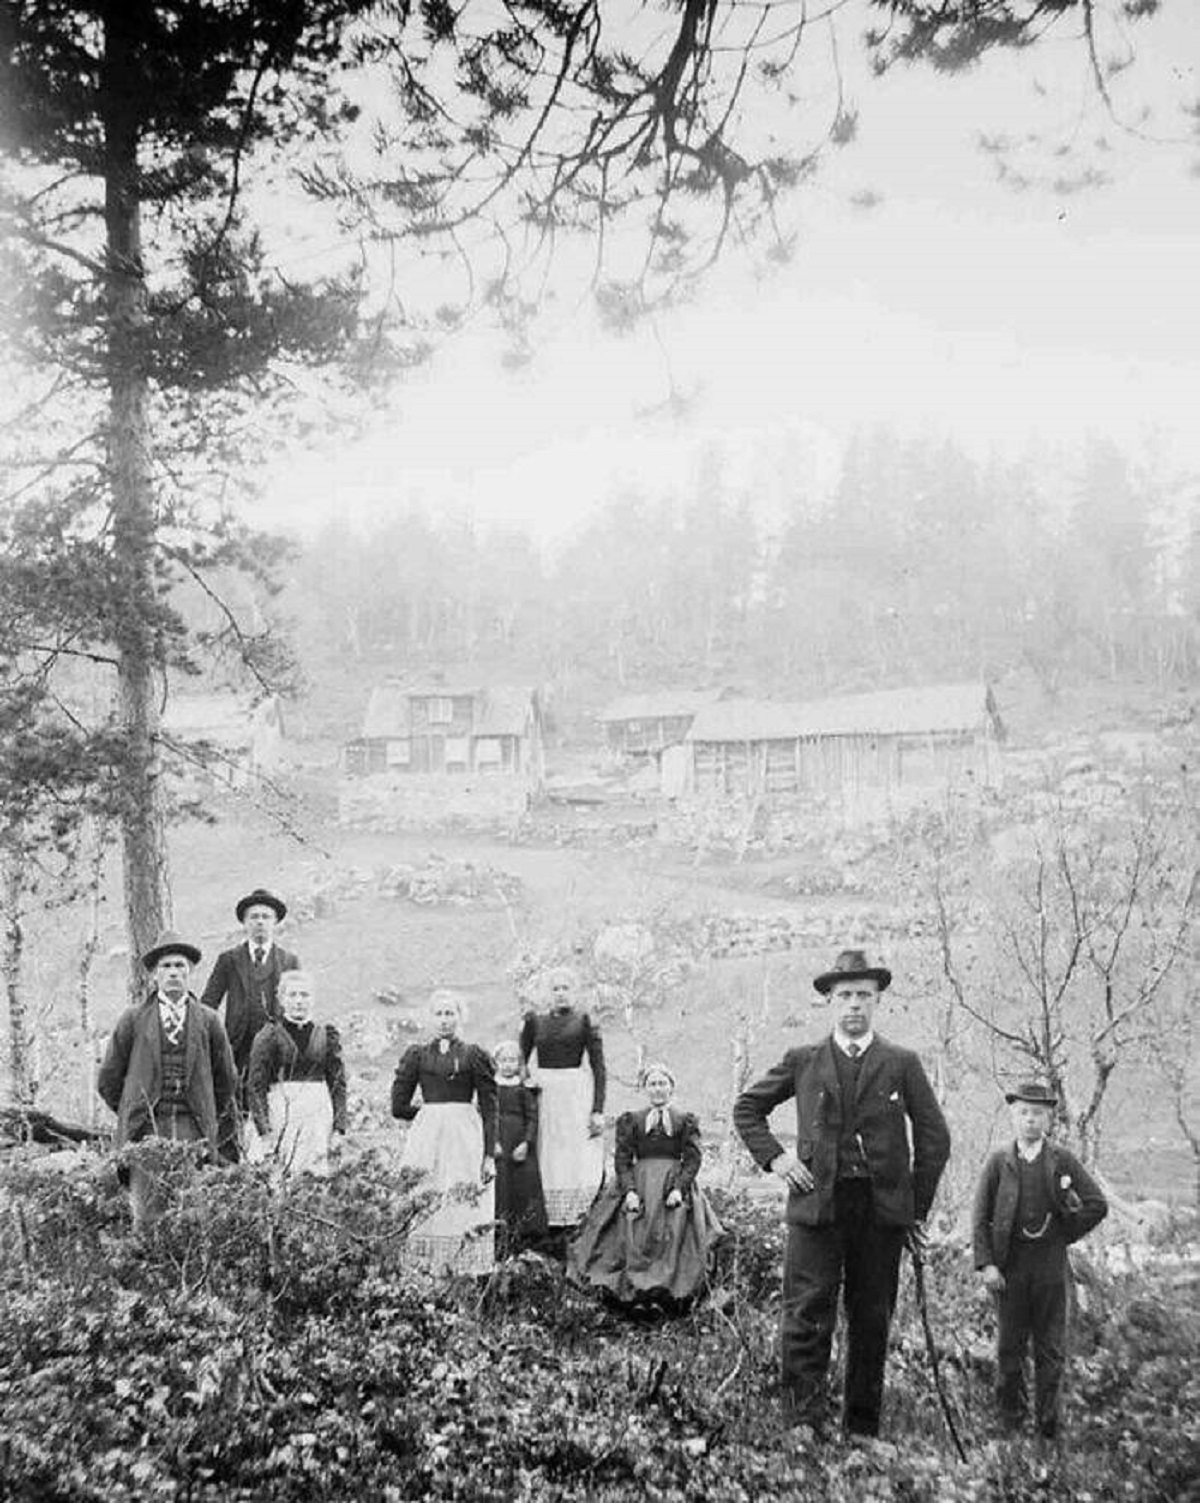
pixel 520 1209
pixel 649 1232
pixel 452 1140
pixel 296 1081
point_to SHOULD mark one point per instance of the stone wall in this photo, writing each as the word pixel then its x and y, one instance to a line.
pixel 434 801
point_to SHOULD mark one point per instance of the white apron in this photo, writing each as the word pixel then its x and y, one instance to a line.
pixel 301 1126
pixel 570 1160
pixel 446 1141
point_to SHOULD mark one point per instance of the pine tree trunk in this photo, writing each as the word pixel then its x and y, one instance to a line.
pixel 143 808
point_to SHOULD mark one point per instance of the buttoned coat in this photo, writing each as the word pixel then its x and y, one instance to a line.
pixel 1076 1200
pixel 130 1080
pixel 893 1101
pixel 232 980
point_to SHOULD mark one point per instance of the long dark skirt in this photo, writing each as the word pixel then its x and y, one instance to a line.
pixel 520 1207
pixel 658 1255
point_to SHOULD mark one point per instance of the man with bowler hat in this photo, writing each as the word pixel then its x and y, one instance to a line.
pixel 855 1189
pixel 168 1071
pixel 1034 1199
pixel 246 978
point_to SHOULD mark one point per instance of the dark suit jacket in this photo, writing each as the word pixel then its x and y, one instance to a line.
pixel 1078 1204
pixel 232 980
pixel 131 1076
pixel 894 1094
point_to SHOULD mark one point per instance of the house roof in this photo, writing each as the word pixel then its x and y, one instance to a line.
pixel 660 704
pixel 501 709
pixel 887 712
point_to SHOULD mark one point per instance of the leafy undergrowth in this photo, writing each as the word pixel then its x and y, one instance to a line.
pixel 271 1344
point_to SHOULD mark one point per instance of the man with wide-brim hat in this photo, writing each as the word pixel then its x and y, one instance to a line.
pixel 246 977
pixel 856 1189
pixel 168 1070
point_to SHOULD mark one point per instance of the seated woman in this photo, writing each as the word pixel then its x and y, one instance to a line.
pixel 520 1208
pixel 296 1082
pixel 452 1139
pixel 648 1234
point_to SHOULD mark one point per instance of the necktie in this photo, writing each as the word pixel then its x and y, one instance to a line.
pixel 259 955
pixel 172 1021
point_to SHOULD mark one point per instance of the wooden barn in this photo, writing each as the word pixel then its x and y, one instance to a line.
pixel 642 726
pixel 891 739
pixel 449 728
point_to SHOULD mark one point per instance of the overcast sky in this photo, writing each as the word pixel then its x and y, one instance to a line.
pixel 955 306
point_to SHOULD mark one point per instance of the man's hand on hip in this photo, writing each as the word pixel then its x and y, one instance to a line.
pixel 788 1167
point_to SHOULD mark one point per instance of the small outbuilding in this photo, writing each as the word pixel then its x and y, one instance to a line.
pixel 436 727
pixel 640 727
pixel 889 739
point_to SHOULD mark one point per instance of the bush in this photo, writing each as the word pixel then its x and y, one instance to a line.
pixel 269 1342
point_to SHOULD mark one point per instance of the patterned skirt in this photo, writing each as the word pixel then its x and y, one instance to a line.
pixel 458 1236
pixel 570 1160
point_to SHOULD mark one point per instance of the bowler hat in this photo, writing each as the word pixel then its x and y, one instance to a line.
pixel 852 965
pixel 170 943
pixel 261 896
pixel 1034 1091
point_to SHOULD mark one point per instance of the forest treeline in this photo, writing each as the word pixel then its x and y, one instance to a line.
pixel 922 563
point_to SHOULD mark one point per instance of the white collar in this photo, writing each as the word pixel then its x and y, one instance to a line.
pixel 667 1124
pixel 843 1041
pixel 1029 1152
pixel 266 949
pixel 169 1003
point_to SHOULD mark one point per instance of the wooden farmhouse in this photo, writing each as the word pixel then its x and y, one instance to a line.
pixel 642 726
pixel 890 739
pixel 449 728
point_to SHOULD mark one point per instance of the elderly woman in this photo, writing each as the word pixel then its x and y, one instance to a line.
pixel 452 1139
pixel 296 1081
pixel 648 1235
pixel 554 1045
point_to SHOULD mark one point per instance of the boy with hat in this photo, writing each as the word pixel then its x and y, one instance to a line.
pixel 856 1189
pixel 246 977
pixel 168 1071
pixel 1034 1199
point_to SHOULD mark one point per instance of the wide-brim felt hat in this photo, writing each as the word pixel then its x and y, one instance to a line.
pixel 1036 1092
pixel 261 896
pixel 170 943
pixel 853 965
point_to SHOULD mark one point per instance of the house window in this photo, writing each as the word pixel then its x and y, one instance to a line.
pixel 441 711
pixel 458 751
pixel 399 753
pixel 488 757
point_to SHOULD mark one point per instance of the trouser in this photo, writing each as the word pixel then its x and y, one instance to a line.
pixel 1033 1305
pixel 856 1253
pixel 147 1197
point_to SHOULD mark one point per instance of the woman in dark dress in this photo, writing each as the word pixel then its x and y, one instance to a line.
pixel 649 1232
pixel 564 1053
pixel 296 1081
pixel 452 1139
pixel 520 1208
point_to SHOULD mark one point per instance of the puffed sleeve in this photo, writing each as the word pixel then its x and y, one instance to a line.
pixel 625 1152
pixel 484 1075
pixel 335 1076
pixel 260 1077
pixel 690 1154
pixel 595 1053
pixel 404 1084
pixel 527 1038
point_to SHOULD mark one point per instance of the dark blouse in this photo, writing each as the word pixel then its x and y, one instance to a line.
pixel 682 1143
pixel 285 1051
pixel 516 1117
pixel 461 1073
pixel 561 1040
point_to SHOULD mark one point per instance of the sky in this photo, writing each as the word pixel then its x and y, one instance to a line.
pixel 957 306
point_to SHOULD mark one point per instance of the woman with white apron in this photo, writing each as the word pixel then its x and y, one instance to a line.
pixel 296 1082
pixel 555 1046
pixel 452 1139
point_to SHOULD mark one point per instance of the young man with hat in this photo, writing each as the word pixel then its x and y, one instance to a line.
pixel 168 1071
pixel 855 1189
pixel 246 978
pixel 1034 1199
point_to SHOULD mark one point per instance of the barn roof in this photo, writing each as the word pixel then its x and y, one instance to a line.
pixel 886 712
pixel 659 704
pixel 501 709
